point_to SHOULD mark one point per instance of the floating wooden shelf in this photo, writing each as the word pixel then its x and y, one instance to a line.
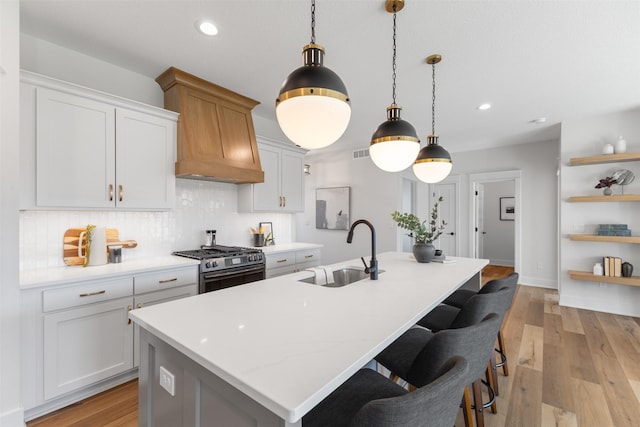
pixel 604 158
pixel 612 198
pixel 596 238
pixel 587 275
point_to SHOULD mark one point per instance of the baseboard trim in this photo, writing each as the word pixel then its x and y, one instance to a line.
pixel 600 304
pixel 76 396
pixel 13 418
pixel 536 281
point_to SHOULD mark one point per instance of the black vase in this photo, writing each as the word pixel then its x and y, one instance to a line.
pixel 627 269
pixel 424 252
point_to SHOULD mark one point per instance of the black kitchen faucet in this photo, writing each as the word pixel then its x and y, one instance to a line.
pixel 372 269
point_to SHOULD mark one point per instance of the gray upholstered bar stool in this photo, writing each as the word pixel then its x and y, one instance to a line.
pixel 417 354
pixel 368 399
pixel 461 296
pixel 478 305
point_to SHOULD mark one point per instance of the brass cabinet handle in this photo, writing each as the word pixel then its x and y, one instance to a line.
pixel 308 256
pixel 139 305
pixel 88 294
pixel 168 280
pixel 281 202
pixel 120 191
pixel 111 192
pixel 281 260
pixel 129 308
pixel 284 201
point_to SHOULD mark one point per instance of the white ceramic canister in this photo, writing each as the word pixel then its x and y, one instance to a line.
pixel 97 248
pixel 607 149
pixel 620 146
pixel 597 269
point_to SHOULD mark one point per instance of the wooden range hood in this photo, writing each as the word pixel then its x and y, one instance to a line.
pixel 216 138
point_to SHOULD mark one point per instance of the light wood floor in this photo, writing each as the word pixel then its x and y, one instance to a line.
pixel 568 367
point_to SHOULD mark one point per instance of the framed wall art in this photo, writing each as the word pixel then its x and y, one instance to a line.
pixel 507 208
pixel 332 208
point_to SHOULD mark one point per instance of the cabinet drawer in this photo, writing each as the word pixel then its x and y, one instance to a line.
pixel 308 255
pixel 86 293
pixel 165 279
pixel 280 259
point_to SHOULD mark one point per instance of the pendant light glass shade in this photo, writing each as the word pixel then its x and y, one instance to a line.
pixel 433 163
pixel 313 107
pixel 395 144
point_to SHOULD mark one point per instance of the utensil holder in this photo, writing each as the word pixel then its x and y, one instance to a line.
pixel 258 240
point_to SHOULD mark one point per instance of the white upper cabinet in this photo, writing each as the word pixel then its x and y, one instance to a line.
pixel 283 186
pixel 88 150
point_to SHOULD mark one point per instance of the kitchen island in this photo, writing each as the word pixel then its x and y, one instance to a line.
pixel 265 353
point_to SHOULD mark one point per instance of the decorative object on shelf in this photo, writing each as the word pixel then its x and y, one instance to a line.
pixel 313 107
pixel 607 149
pixel 332 208
pixel 620 145
pixel 627 269
pixel 597 269
pixel 423 235
pixel 623 177
pixel 395 144
pixel 268 232
pixel 606 183
pixel 613 230
pixel 434 162
pixel 507 208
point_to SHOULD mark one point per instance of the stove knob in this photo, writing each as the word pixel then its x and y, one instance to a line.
pixel 214 263
pixel 208 265
pixel 252 257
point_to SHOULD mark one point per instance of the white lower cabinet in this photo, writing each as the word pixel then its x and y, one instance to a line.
pixel 85 345
pixel 281 263
pixel 78 339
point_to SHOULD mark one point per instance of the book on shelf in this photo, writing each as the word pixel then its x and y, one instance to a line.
pixel 612 266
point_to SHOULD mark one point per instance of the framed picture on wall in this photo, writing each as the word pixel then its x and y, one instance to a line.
pixel 507 208
pixel 332 208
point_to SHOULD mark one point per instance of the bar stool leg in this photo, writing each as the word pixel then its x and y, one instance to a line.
pixel 503 354
pixel 466 408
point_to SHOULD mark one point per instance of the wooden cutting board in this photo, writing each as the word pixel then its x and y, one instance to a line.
pixel 71 241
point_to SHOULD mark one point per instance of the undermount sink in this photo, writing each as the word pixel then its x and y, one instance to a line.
pixel 341 277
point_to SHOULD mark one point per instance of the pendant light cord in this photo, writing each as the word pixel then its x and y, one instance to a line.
pixel 313 21
pixel 433 100
pixel 394 55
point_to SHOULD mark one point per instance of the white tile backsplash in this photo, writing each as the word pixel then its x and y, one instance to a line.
pixel 199 205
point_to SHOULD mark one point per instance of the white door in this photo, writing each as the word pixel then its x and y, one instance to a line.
pixel 447 211
pixel 479 225
pixel 408 206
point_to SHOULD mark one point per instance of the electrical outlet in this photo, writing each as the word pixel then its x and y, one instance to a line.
pixel 167 381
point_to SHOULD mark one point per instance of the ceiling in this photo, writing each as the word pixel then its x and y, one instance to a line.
pixel 529 59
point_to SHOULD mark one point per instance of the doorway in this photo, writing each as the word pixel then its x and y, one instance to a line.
pixel 448 211
pixel 495 210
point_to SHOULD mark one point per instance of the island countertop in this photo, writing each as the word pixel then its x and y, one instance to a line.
pixel 287 344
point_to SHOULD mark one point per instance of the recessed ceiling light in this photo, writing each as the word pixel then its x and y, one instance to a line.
pixel 206 27
pixel 538 121
pixel 484 106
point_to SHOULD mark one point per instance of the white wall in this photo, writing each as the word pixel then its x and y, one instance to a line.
pixel 585 137
pixel 200 205
pixel 538 163
pixel 498 242
pixel 11 412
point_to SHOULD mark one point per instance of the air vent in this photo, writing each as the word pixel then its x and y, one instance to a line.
pixel 360 154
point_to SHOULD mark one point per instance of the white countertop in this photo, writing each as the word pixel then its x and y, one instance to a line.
pixel 76 273
pixel 287 247
pixel 261 336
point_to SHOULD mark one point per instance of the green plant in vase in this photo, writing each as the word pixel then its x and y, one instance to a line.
pixel 423 233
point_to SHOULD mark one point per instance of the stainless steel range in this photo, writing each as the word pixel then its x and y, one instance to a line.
pixel 226 266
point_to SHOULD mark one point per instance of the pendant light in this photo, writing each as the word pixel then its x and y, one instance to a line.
pixel 434 162
pixel 395 144
pixel 313 107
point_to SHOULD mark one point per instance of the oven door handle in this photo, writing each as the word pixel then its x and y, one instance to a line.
pixel 232 273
